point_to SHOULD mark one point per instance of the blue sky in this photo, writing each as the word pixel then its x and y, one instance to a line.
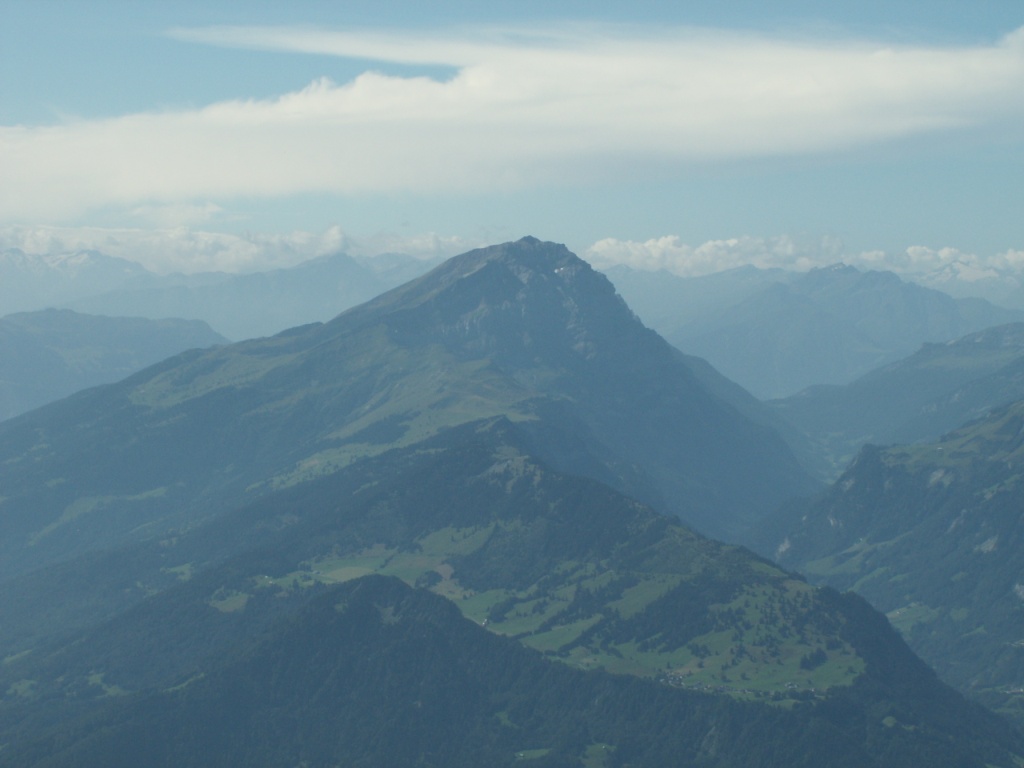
pixel 804 129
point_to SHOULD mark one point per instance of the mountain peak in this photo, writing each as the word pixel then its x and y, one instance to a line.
pixel 545 321
pixel 524 257
pixel 524 329
pixel 521 301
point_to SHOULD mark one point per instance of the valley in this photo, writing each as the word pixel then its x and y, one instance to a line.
pixel 526 385
pixel 496 455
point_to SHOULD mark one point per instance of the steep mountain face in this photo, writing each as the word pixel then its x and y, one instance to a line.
pixel 930 534
pixel 172 547
pixel 47 355
pixel 543 317
pixel 776 333
pixel 233 641
pixel 932 392
pixel 525 330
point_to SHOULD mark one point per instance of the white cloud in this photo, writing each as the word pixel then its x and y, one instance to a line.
pixel 521 108
pixel 177 214
pixel 960 272
pixel 184 249
pixel 181 249
pixel 428 245
pixel 671 254
pixel 936 266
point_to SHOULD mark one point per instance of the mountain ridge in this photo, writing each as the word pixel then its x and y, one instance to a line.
pixel 50 354
pixel 919 398
pixel 299 404
pixel 778 332
pixel 927 532
pixel 315 691
pixel 238 305
pixel 471 433
pixel 570 569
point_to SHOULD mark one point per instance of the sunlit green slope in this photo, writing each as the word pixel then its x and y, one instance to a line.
pixel 931 534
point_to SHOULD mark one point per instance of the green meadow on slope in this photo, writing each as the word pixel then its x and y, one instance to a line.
pixel 500 442
pixel 930 534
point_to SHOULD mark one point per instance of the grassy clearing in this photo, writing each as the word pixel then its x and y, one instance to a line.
pixel 850 562
pixel 597 755
pixel 557 637
pixel 455 541
pixel 336 569
pixel 96 678
pixel 749 658
pixel 532 754
pixel 477 605
pixel 182 686
pixel 322 463
pixel 228 601
pixel 90 504
pixel 635 599
pixel 753 652
pixel 990 440
pixel 182 572
pixel 443 394
pixel 217 369
pixel 909 616
pixel 16 656
pixel 22 689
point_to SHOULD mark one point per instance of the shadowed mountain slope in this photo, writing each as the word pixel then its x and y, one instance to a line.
pixel 173 546
pixel 935 390
pixel 931 535
pixel 375 673
pixel 233 642
pixel 524 330
pixel 563 562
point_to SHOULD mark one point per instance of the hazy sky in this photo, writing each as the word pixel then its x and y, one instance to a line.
pixel 645 128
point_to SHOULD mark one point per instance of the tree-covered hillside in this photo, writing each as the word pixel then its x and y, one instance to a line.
pixel 931 535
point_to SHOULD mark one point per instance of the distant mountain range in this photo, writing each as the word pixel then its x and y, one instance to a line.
pixel 33 282
pixel 774 332
pixel 930 534
pixel 929 393
pixel 777 332
pixel 239 306
pixel 527 331
pixel 50 354
pixel 193 558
